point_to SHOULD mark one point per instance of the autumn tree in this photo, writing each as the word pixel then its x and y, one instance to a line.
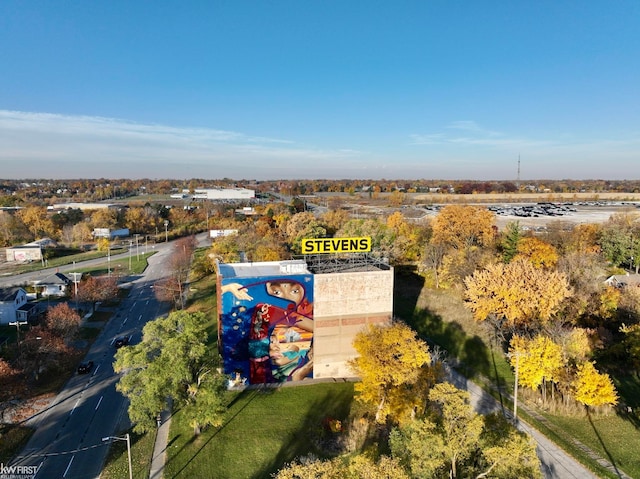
pixel 37 221
pixel 593 388
pixel 394 370
pixel 461 227
pixel 540 253
pixel 62 319
pixel 44 349
pixel 356 467
pixel 104 218
pixel 142 219
pixel 172 362
pixel 409 238
pixel 171 288
pixel 515 296
pixel 93 289
pixel 382 237
pixel 539 362
pixel 333 220
pixel 301 226
pixel 12 229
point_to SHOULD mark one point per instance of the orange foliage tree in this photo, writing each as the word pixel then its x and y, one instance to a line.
pixel 515 297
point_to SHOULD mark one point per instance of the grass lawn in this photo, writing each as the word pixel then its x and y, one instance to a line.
pixel 117 462
pixel 13 439
pixel 263 430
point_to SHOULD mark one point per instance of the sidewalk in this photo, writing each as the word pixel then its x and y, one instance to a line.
pixel 160 449
pixel 555 462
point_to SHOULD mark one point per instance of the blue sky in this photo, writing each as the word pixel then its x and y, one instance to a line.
pixel 320 89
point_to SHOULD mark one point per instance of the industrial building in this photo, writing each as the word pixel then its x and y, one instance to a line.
pixel 291 320
pixel 235 194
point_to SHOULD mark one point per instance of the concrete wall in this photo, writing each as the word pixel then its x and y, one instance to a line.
pixel 344 304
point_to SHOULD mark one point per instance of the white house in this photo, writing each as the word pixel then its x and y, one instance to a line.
pixel 56 284
pixel 13 305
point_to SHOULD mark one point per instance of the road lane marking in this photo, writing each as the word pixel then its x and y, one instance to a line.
pixel 74 407
pixel 139 317
pixel 125 320
pixel 96 370
pixel 67 469
pixel 98 405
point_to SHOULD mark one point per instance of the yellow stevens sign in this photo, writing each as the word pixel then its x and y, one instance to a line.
pixel 336 245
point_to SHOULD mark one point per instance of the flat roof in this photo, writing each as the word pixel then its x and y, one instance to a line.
pixel 266 268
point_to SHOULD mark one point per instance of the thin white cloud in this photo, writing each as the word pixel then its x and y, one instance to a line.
pixel 69 146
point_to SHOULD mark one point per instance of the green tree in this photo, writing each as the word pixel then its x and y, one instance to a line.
pixel 172 362
pixel 510 239
pixel 454 441
pixel 394 370
pixel 440 444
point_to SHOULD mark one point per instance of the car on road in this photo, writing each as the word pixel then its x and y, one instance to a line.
pixel 121 341
pixel 85 368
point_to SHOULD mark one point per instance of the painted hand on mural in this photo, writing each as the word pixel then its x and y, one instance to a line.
pixel 238 290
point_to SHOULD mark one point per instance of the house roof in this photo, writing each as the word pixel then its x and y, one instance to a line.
pixel 56 278
pixel 624 280
pixel 9 294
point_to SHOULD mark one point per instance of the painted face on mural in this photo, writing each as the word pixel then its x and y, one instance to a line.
pixel 289 290
pixel 281 354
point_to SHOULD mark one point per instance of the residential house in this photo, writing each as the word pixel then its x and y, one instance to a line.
pixel 56 284
pixel 623 280
pixel 14 306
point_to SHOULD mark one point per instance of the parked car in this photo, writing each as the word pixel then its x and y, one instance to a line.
pixel 121 341
pixel 85 368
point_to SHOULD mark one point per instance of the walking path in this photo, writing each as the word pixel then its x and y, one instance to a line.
pixel 556 463
pixel 160 448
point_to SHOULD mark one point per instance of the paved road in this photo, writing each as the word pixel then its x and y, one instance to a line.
pixel 68 439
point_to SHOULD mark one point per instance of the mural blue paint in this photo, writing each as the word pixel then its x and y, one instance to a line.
pixel 266 328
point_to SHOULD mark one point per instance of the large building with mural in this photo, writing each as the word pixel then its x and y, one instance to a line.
pixel 291 320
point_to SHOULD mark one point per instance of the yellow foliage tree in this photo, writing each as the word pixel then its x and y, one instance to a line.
pixel 609 299
pixel 394 371
pixel 516 296
pixel 593 388
pixel 36 219
pixel 461 226
pixel 539 361
pixel 540 253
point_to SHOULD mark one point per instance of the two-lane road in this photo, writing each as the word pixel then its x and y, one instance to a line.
pixel 68 439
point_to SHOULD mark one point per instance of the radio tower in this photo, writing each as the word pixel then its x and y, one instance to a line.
pixel 518 179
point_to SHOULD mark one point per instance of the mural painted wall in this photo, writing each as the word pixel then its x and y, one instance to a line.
pixel 266 328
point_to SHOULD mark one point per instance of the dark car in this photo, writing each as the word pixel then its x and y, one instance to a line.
pixel 121 341
pixel 85 368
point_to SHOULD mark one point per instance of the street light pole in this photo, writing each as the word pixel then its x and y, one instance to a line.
pixel 137 248
pixel 166 233
pixel 125 438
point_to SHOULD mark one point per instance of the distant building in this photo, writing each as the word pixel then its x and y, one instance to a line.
pixel 24 253
pixel 110 234
pixel 82 206
pixel 224 194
